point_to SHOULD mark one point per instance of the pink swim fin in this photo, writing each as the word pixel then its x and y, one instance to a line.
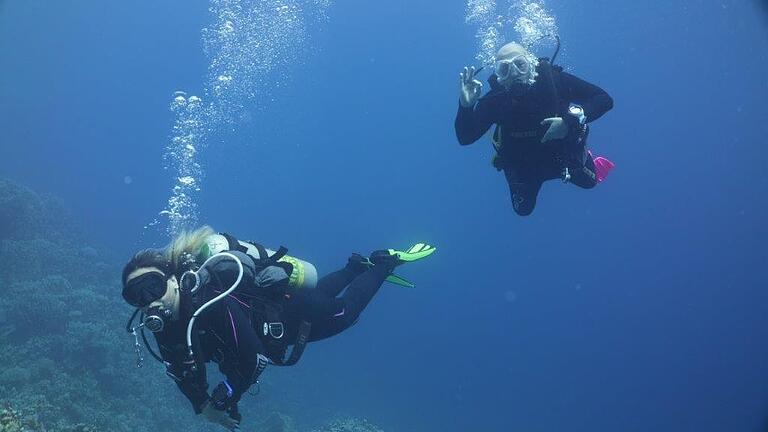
pixel 602 166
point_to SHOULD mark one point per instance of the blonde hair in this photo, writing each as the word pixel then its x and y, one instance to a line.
pixel 184 248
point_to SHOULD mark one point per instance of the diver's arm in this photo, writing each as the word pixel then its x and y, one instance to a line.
pixel 246 359
pixel 217 276
pixel 194 385
pixel 594 100
pixel 474 121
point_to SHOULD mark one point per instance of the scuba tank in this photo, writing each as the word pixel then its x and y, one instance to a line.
pixel 303 274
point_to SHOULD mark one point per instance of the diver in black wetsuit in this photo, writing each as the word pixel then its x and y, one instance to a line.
pixel 242 310
pixel 541 115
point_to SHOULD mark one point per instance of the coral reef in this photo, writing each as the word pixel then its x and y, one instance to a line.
pixel 65 355
pixel 23 213
pixel 349 424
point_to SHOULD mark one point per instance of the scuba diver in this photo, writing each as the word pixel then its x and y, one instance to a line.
pixel 209 297
pixel 541 115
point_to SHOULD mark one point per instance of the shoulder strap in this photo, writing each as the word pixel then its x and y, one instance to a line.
pixel 234 244
pixel 264 256
pixel 548 81
pixel 264 259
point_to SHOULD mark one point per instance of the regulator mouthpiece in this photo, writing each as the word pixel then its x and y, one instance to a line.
pixel 155 319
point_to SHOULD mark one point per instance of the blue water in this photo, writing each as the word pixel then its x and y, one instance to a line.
pixel 640 305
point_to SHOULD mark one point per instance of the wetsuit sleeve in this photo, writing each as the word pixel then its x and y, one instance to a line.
pixel 245 361
pixel 194 385
pixel 594 100
pixel 472 122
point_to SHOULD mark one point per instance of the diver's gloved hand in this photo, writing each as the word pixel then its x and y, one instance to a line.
pixel 221 408
pixel 471 87
pixel 558 129
pixel 220 417
pixel 234 413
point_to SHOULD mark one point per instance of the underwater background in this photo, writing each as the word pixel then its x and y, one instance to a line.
pixel 327 126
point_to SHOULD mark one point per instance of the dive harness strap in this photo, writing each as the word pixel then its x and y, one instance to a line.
pixel 264 260
pixel 272 328
pixel 267 322
pixel 298 348
pixel 234 244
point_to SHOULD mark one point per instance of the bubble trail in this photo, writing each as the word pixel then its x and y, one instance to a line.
pixel 530 20
pixel 247 42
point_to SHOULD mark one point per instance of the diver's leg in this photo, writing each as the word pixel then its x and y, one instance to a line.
pixel 580 164
pixel 583 174
pixel 582 171
pixel 523 190
pixel 332 284
pixel 337 314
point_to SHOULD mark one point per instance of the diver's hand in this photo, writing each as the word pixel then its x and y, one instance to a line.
pixel 557 129
pixel 220 417
pixel 471 87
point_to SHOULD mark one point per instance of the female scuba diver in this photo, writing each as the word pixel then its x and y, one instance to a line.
pixel 541 115
pixel 208 297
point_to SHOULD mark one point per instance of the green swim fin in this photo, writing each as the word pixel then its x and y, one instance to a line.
pixel 397 280
pixel 414 253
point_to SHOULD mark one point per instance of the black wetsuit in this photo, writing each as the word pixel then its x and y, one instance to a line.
pixel 229 332
pixel 518 113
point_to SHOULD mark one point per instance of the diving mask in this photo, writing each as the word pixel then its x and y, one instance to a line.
pixel 514 67
pixel 144 289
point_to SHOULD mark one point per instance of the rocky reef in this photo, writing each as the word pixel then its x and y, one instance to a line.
pixel 349 424
pixel 64 355
pixel 66 362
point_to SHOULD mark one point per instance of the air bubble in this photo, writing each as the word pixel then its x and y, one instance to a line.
pixel 187 181
pixel 246 42
pixel 530 20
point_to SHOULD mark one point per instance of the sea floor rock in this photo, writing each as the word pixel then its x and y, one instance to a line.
pixel 349 424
